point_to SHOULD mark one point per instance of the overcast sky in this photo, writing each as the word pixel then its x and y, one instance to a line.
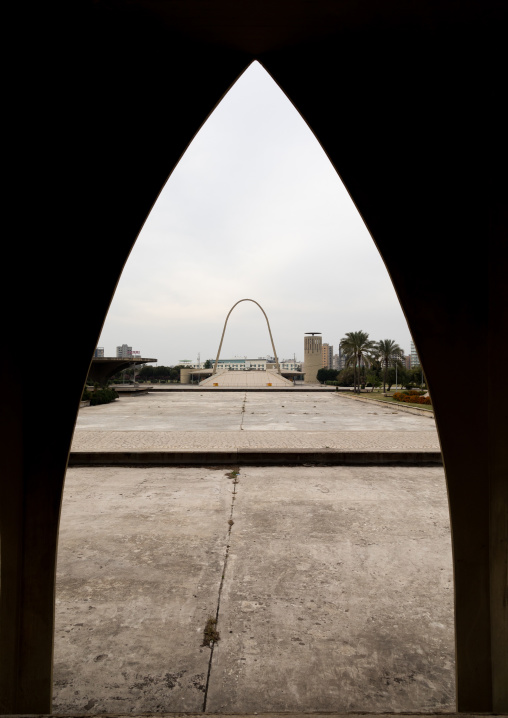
pixel 254 209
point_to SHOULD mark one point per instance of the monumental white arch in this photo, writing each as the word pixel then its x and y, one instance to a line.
pixel 224 331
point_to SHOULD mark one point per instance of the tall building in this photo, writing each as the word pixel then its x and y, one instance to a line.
pixel 124 351
pixel 99 352
pixel 340 360
pixel 327 356
pixel 312 356
pixel 415 359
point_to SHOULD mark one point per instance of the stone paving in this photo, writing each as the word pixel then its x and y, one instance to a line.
pixel 222 421
pixel 229 440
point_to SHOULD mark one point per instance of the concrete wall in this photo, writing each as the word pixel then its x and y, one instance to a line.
pixel 312 358
pixel 185 376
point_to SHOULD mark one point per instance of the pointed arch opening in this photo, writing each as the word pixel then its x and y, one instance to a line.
pixel 206 264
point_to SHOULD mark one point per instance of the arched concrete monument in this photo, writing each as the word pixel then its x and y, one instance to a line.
pixel 224 331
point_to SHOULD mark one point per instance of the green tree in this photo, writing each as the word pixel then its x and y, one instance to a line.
pixel 345 377
pixel 389 353
pixel 208 364
pixel 146 373
pixel 390 378
pixel 326 375
pixel 402 376
pixel 415 378
pixel 373 379
pixel 359 352
pixel 174 372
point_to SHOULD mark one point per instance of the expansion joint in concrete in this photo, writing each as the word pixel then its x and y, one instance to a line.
pixel 243 411
pixel 233 475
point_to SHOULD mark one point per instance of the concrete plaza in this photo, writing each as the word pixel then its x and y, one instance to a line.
pixel 333 588
pixel 332 585
pixel 197 420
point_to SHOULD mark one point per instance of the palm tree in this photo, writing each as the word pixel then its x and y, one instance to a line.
pixel 358 351
pixel 389 352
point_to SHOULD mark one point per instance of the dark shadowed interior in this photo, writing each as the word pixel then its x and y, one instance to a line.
pixel 405 99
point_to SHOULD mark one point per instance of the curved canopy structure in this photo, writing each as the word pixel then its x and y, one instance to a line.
pixel 103 368
pixel 224 331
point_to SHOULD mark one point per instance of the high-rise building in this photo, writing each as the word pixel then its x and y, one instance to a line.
pixel 312 356
pixel 415 359
pixel 124 351
pixel 99 352
pixel 327 356
pixel 341 360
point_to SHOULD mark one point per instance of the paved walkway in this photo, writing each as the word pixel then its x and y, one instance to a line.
pixel 230 440
pixel 206 422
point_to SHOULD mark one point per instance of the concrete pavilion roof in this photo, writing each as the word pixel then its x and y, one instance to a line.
pixel 103 368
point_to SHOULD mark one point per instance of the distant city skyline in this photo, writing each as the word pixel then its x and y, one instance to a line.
pixel 332 359
pixel 254 209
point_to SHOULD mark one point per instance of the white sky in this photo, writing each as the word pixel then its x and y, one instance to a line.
pixel 254 209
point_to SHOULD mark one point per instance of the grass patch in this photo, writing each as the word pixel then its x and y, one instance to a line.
pixel 390 400
pixel 233 474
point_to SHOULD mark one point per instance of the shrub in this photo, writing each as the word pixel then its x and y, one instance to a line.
pixel 103 396
pixel 325 375
pixel 412 397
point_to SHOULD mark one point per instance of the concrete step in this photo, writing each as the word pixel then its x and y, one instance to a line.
pixel 256 457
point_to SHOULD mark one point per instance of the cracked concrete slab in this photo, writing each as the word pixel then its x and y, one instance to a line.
pixel 205 422
pixel 337 593
pixel 139 568
pixel 255 411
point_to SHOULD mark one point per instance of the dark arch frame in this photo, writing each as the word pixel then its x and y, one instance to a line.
pixel 405 101
pixel 224 331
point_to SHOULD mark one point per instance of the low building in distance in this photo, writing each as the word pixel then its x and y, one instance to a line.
pixel 123 351
pixel 259 364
